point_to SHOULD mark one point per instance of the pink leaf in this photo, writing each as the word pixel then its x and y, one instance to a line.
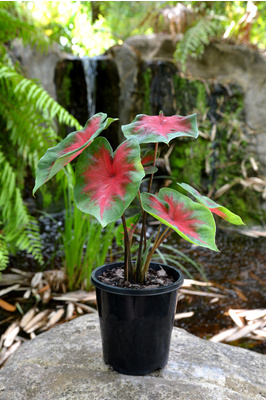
pixel 107 182
pixel 69 148
pixel 215 208
pixel 158 128
pixel 190 220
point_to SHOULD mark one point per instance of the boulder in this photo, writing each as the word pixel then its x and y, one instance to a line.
pixel 157 45
pixel 66 363
pixel 38 65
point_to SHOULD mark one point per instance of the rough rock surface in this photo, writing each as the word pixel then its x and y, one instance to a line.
pixel 245 66
pixel 156 45
pixel 39 65
pixel 66 364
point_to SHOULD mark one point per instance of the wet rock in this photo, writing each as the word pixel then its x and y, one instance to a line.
pixel 71 89
pixel 66 363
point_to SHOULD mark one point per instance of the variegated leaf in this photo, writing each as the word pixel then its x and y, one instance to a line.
pixel 69 148
pixel 158 128
pixel 191 220
pixel 215 208
pixel 107 182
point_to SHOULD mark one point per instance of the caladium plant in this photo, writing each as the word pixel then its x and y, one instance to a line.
pixel 108 181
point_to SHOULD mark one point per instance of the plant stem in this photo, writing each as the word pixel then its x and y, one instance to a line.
pixel 158 241
pixel 158 233
pixel 139 276
pixel 153 164
pixel 128 265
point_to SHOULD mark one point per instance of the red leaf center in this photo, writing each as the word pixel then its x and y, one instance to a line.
pixel 108 176
pixel 178 215
pixel 161 125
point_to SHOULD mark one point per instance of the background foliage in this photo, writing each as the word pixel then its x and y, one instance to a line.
pixel 30 118
pixel 91 27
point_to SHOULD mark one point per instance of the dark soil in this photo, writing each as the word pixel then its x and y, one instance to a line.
pixel 155 279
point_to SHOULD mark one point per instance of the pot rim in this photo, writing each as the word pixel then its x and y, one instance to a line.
pixel 136 292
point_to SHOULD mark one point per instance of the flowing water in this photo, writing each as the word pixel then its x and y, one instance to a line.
pixel 90 70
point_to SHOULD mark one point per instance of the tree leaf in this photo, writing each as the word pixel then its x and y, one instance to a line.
pixel 191 220
pixel 107 182
pixel 158 128
pixel 57 157
pixel 215 208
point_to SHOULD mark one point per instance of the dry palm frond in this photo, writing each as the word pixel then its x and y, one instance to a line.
pixel 249 323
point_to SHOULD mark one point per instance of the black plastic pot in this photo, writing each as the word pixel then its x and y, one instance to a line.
pixel 136 324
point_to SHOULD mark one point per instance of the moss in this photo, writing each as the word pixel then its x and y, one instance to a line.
pixel 212 161
pixel 188 161
pixel 146 91
pixel 189 94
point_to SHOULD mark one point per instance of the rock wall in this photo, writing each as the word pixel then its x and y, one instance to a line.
pixel 221 63
pixel 120 90
pixel 238 64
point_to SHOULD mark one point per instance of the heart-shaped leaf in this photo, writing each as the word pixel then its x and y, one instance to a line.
pixel 191 220
pixel 107 182
pixel 212 206
pixel 57 157
pixel 158 128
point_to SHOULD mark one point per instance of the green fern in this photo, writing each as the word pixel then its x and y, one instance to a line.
pixel 28 124
pixel 27 108
pixel 21 230
pixel 196 38
pixel 29 114
pixel 3 253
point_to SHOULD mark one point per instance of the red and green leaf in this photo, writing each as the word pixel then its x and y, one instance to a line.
pixel 147 159
pixel 57 157
pixel 158 128
pixel 107 182
pixel 215 208
pixel 191 220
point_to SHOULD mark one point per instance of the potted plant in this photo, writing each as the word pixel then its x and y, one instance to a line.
pixel 136 298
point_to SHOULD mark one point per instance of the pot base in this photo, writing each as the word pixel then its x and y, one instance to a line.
pixel 136 325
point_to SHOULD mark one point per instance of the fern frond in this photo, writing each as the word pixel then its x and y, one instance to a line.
pixel 196 38
pixel 29 112
pixel 3 253
pixel 21 230
pixel 28 125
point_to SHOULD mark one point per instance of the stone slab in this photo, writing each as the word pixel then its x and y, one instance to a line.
pixel 66 363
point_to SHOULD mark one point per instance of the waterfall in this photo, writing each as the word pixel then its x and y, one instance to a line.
pixel 90 72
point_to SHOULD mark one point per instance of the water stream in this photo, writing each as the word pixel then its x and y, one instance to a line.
pixel 90 71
